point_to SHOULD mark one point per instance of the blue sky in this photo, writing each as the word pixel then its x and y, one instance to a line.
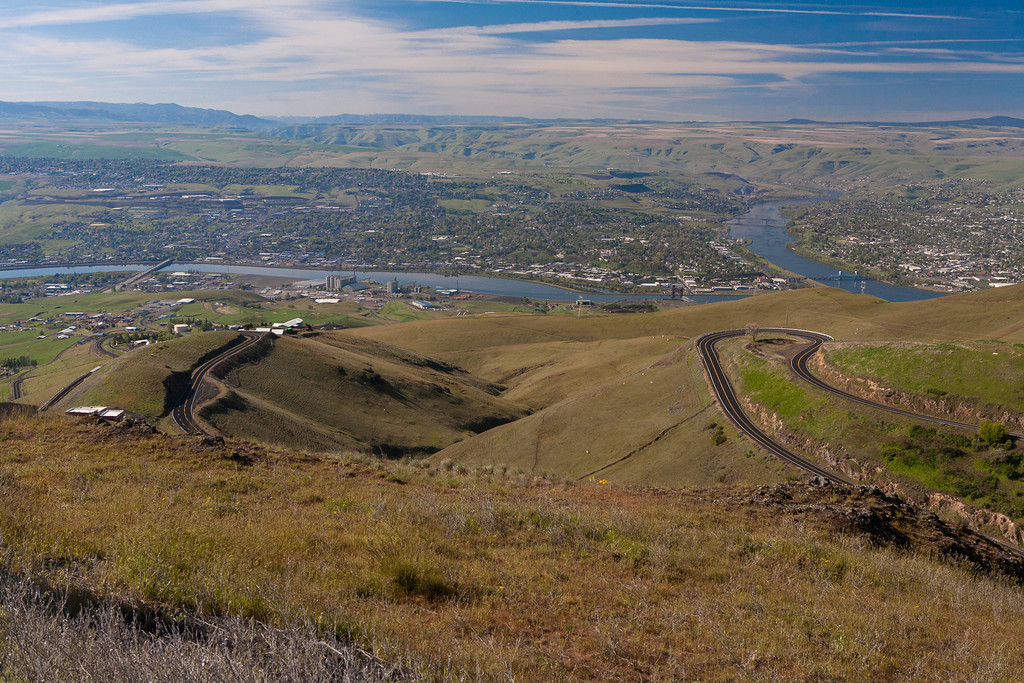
pixel 647 59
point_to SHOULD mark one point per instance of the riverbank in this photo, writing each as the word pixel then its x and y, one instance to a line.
pixel 114 267
pixel 765 231
pixel 483 284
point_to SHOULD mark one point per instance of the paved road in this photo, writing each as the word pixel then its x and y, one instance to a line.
pixel 798 364
pixel 183 412
pixel 727 398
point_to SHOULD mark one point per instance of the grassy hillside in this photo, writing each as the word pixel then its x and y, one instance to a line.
pixel 775 153
pixel 877 447
pixel 332 392
pixel 598 412
pixel 768 154
pixel 503 575
pixel 991 314
pixel 654 424
pixel 621 398
pixel 149 380
pixel 980 373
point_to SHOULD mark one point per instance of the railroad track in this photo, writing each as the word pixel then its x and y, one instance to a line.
pixel 67 390
pixel 183 413
pixel 100 350
pixel 16 382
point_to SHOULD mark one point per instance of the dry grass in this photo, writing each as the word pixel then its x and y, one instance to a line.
pixel 994 314
pixel 329 392
pixel 646 424
pixel 47 634
pixel 483 573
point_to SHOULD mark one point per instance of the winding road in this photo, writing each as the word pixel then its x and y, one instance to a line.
pixel 798 363
pixel 726 395
pixel 730 403
pixel 183 412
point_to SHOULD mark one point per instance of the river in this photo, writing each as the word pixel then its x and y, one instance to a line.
pixel 470 283
pixel 765 227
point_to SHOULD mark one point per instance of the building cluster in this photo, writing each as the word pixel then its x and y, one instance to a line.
pixel 957 238
pixel 349 219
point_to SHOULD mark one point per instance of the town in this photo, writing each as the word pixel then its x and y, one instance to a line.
pixel 955 236
pixel 363 220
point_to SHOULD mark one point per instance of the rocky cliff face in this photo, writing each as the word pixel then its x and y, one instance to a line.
pixel 889 520
pixel 833 455
pixel 952 407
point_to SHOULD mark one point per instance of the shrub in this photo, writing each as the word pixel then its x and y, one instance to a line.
pixel 719 436
pixel 993 433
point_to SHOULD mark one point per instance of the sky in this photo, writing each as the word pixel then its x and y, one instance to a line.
pixel 636 59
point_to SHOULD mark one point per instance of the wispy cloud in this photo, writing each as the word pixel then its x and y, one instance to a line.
pixel 542 26
pixel 744 8
pixel 312 56
pixel 135 10
pixel 930 41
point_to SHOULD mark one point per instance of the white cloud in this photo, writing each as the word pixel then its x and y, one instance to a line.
pixel 316 58
pixel 746 8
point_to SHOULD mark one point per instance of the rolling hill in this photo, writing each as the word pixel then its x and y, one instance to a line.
pixel 619 398
pixel 540 428
pixel 330 392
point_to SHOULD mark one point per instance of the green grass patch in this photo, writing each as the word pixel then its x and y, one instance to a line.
pixel 20 223
pixel 771 387
pixel 991 373
pixel 63 150
pixel 17 344
pixel 466 205
pixel 403 312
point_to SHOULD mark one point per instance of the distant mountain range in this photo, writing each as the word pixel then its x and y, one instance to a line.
pixel 100 112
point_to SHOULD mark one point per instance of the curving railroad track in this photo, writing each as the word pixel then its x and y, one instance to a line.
pixel 16 383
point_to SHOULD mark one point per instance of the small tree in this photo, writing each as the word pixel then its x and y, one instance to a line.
pixel 993 433
pixel 752 329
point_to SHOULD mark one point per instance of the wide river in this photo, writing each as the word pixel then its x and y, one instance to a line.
pixel 469 283
pixel 765 227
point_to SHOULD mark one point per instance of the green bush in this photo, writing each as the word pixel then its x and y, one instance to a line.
pixel 993 433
